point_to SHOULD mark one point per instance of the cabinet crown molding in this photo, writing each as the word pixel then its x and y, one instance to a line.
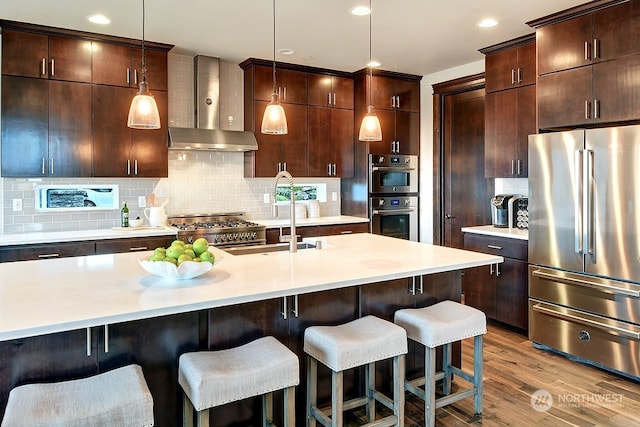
pixel 574 12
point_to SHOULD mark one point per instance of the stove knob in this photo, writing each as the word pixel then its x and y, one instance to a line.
pixel 254 235
pixel 236 236
pixel 190 239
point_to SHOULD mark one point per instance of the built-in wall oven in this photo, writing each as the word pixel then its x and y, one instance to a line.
pixel 393 195
pixel 395 216
pixel 393 173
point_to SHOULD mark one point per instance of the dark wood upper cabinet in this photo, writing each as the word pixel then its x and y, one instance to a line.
pixel 511 64
pixel 291 86
pixel 607 33
pixel 330 142
pixel 42 56
pixel 330 91
pixel 395 93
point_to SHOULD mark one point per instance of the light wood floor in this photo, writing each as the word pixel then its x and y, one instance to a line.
pixel 514 371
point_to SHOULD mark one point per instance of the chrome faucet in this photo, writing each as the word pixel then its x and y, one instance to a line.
pixel 292 238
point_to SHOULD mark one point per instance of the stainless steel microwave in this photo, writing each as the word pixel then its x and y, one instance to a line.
pixel 393 173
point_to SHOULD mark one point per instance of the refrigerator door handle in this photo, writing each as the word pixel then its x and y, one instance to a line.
pixel 577 205
pixel 590 228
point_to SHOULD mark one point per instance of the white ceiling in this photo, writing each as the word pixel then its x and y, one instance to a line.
pixel 409 36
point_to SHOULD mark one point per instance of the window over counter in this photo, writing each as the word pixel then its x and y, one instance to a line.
pixel 76 197
pixel 302 192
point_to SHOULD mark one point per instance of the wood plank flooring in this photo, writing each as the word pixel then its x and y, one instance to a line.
pixel 514 371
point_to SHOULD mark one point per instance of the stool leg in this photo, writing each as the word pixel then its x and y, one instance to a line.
pixel 187 411
pixel 289 407
pixel 446 367
pixel 398 388
pixel 202 418
pixel 267 409
pixel 477 373
pixel 312 389
pixel 430 386
pixel 370 375
pixel 336 399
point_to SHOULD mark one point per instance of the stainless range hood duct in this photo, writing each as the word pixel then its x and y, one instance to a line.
pixel 207 135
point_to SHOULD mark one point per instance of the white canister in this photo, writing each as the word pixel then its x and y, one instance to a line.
pixel 301 211
pixel 313 209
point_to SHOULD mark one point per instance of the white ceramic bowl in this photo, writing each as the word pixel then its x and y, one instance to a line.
pixel 136 222
pixel 186 270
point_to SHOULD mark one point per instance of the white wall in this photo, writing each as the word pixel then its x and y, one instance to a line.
pixel 426 140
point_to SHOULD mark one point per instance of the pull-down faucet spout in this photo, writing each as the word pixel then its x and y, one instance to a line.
pixel 291 238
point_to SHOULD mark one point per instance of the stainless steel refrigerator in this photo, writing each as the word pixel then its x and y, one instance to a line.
pixel 584 245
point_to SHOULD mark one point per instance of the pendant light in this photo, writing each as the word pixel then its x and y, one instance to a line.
pixel 370 129
pixel 274 120
pixel 143 113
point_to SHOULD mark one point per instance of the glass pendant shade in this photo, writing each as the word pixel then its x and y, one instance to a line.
pixel 274 120
pixel 143 113
pixel 370 129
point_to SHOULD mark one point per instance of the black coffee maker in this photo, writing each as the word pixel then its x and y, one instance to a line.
pixel 500 210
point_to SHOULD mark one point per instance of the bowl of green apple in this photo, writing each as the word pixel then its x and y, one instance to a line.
pixel 181 260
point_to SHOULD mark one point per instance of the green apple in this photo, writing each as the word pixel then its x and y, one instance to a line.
pixel 159 250
pixel 190 253
pixel 174 251
pixel 200 245
pixel 178 243
pixel 157 257
pixel 171 260
pixel 207 257
pixel 184 257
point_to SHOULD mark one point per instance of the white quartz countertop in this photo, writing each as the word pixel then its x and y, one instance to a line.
pixel 490 230
pixel 75 236
pixel 305 222
pixel 46 296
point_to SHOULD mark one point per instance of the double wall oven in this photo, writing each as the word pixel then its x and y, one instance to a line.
pixel 393 195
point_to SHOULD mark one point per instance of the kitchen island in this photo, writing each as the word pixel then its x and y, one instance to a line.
pixel 70 317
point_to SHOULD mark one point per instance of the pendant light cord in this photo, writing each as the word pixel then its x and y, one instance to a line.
pixel 274 46
pixel 370 63
pixel 144 62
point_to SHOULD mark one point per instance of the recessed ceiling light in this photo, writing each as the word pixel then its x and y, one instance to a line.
pixel 286 51
pixel 374 64
pixel 360 10
pixel 99 19
pixel 487 23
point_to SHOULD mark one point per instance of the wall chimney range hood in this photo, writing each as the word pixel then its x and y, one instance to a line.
pixel 207 134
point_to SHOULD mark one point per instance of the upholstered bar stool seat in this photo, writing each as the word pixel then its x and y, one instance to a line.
pixel 214 378
pixel 118 397
pixel 441 325
pixel 361 342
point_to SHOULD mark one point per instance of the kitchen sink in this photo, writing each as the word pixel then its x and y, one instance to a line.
pixel 265 249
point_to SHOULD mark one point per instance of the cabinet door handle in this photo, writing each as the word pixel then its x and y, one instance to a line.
pixel 595 48
pixel 43 164
pixel 294 311
pixel 284 308
pixel 43 68
pixel 135 167
pixel 328 169
pixel 587 56
pixel 421 288
pixel 398 101
pixel 106 338
pixel 491 270
pixel 334 170
pixel 128 167
pixel 513 76
pixel 412 288
pixel 398 142
pixel 334 98
pixel 128 75
pixel 496 247
pixel 88 342
pixel 135 77
pixel 53 67
pixel 587 110
pixel 596 109
pixel 513 167
pixel 497 270
pixel 329 98
pixel 519 75
pixel 520 165
pixel 51 168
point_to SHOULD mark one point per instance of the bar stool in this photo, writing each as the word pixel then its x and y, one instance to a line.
pixel 213 378
pixel 441 325
pixel 118 397
pixel 361 342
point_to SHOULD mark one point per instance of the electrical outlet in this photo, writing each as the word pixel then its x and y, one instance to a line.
pixel 334 196
pixel 142 202
pixel 266 198
pixel 17 205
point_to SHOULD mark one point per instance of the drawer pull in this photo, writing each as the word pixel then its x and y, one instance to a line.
pixel 139 248
pixel 498 248
pixel 602 287
pixel 48 255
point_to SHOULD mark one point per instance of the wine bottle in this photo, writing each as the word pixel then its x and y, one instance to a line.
pixel 124 215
